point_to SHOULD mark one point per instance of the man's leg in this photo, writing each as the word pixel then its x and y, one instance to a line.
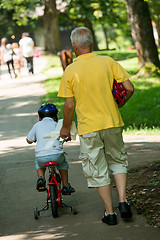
pixel 124 208
pixel 30 64
pixel 106 195
pixel 121 179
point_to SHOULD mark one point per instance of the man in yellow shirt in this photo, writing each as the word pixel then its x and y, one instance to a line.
pixel 89 80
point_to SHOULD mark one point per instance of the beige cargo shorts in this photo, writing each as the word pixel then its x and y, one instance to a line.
pixel 101 152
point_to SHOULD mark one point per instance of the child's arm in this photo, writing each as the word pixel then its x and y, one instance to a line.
pixel 32 135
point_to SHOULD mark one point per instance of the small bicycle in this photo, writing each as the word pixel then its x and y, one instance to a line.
pixel 54 194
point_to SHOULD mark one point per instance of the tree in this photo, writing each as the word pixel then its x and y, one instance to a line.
pixel 142 32
pixel 51 27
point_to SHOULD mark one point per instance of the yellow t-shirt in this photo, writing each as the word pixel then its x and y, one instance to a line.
pixel 89 79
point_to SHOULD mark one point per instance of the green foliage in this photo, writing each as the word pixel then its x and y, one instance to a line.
pixel 79 10
pixel 154 6
pixel 111 15
pixel 22 10
pixel 17 17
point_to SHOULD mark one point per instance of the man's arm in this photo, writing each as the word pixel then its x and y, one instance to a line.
pixel 129 92
pixel 68 112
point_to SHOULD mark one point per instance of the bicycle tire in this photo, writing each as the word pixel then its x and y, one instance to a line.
pixel 54 203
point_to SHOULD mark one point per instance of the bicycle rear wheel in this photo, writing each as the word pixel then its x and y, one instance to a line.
pixel 54 203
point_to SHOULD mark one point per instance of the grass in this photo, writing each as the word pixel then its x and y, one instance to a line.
pixel 52 85
pixel 141 113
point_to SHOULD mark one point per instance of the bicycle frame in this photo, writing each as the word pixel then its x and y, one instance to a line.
pixel 53 181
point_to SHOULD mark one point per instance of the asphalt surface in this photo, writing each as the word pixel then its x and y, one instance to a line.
pixel 20 99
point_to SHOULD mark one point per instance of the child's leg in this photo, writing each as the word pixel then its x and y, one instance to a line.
pixel 41 182
pixel 64 176
pixel 41 172
pixel 12 63
pixel 66 189
pixel 9 70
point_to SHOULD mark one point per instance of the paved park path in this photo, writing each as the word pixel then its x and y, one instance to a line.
pixel 20 99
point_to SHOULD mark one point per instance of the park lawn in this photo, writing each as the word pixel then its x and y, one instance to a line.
pixel 141 113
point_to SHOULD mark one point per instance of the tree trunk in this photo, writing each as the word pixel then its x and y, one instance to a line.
pixel 51 27
pixel 142 32
pixel 88 24
pixel 105 35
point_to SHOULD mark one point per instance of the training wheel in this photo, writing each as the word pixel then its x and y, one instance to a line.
pixel 36 213
pixel 74 209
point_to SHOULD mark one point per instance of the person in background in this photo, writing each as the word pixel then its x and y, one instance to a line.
pixel 89 81
pixel 27 49
pixel 6 56
pixel 16 58
pixel 65 57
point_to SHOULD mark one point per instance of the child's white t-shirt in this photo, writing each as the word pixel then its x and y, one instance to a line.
pixel 37 133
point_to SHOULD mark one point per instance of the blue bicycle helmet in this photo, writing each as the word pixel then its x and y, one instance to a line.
pixel 48 110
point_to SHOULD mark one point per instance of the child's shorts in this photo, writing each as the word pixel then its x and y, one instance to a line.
pixel 59 158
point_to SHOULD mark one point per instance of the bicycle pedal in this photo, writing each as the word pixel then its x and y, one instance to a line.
pixel 42 189
pixel 66 193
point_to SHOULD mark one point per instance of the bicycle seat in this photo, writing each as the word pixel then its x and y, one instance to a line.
pixel 51 164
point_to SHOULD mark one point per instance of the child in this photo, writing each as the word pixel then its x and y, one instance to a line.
pixel 48 121
pixel 16 58
pixel 6 55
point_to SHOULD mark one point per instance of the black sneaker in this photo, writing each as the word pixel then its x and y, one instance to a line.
pixel 125 210
pixel 110 219
pixel 41 184
pixel 67 189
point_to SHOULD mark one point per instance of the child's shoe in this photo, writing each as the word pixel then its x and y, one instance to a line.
pixel 41 184
pixel 67 189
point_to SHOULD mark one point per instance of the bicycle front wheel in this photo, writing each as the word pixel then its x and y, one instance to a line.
pixel 54 203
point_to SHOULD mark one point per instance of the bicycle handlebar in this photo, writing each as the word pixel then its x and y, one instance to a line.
pixel 63 140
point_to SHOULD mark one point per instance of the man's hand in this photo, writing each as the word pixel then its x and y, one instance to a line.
pixel 121 104
pixel 129 92
pixel 65 132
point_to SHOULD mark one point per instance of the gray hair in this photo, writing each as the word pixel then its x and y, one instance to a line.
pixel 82 37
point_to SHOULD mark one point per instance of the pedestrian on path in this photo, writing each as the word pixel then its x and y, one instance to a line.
pixel 17 58
pixel 27 48
pixel 6 56
pixel 89 80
